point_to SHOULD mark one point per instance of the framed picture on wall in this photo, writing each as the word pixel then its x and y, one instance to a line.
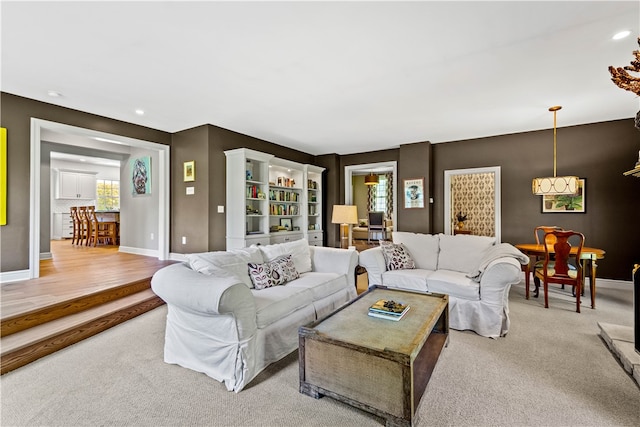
pixel 573 203
pixel 413 193
pixel 190 171
pixel 141 176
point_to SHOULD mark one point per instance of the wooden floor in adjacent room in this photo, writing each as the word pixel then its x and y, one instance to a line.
pixel 75 271
pixel 81 291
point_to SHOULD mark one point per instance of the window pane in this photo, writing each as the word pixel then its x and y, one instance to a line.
pixel 108 195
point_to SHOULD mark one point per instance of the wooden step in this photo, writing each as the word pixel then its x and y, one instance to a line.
pixel 29 319
pixel 27 345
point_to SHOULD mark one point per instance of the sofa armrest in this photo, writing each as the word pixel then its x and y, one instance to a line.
pixel 221 293
pixel 373 261
pixel 333 260
pixel 499 275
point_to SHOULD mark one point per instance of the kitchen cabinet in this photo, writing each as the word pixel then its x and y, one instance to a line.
pixel 75 185
pixel 62 226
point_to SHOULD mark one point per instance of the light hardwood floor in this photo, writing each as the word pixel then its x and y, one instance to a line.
pixel 75 271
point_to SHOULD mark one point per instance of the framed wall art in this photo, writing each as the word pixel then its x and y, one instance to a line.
pixel 413 193
pixel 190 171
pixel 573 203
pixel 141 176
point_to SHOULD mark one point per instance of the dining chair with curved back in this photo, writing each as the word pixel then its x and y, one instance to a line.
pixel 540 233
pixel 559 256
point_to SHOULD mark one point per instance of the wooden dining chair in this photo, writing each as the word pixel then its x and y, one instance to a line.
pixel 104 231
pixel 558 259
pixel 75 237
pixel 540 233
pixel 83 226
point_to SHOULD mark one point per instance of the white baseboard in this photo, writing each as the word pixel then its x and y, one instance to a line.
pixel 46 255
pixel 139 251
pixel 173 256
pixel 14 276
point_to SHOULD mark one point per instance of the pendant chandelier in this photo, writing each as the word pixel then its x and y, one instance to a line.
pixel 371 179
pixel 554 185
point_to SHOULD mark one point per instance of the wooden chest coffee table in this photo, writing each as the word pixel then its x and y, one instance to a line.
pixel 378 365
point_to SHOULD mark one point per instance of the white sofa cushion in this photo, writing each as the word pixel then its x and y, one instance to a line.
pixel 423 248
pixel 407 279
pixel 320 284
pixel 453 283
pixel 277 302
pixel 462 252
pixel 234 261
pixel 298 249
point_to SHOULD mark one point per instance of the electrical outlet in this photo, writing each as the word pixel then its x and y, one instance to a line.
pixel 184 240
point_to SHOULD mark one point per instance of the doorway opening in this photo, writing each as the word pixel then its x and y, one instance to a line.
pixel 475 193
pixel 87 136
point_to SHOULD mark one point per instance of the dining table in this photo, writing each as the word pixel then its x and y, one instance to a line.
pixel 588 258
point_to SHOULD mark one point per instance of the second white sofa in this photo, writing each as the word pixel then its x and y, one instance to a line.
pixel 475 272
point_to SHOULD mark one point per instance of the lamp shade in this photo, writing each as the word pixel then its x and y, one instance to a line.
pixel 555 185
pixel 344 214
pixel 371 179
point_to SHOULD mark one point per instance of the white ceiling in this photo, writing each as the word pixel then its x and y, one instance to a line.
pixel 326 77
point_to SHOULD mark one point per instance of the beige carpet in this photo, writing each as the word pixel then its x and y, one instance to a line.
pixel 552 369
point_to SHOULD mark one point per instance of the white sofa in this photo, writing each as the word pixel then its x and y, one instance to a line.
pixel 472 270
pixel 218 323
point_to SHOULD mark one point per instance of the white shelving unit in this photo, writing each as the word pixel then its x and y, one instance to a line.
pixel 271 200
pixel 286 208
pixel 313 202
pixel 247 204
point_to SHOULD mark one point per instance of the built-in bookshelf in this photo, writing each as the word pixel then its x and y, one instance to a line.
pixel 271 200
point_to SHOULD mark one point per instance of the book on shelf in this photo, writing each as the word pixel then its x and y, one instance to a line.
pixel 388 309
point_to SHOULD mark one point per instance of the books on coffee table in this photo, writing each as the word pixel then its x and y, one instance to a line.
pixel 388 309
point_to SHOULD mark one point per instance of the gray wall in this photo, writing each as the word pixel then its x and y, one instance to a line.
pixel 599 152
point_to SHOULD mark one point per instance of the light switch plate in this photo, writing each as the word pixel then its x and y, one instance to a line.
pixel 190 191
pixel 220 209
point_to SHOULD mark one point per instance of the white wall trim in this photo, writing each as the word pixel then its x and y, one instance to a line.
pixel 497 197
pixel 348 183
pixel 14 276
pixel 139 251
pixel 37 125
pixel 173 256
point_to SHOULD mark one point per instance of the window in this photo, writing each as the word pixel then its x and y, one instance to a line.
pixel 380 204
pixel 108 195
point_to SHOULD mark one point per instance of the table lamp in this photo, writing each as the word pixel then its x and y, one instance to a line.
pixel 345 215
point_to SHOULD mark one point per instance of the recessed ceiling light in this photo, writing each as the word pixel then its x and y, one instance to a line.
pixel 54 94
pixel 140 112
pixel 621 35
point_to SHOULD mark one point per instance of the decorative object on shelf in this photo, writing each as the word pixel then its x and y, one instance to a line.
pixel 413 193
pixel 345 215
pixel 567 203
pixel 286 223
pixel 555 185
pixel 141 176
pixel 371 179
pixel 461 219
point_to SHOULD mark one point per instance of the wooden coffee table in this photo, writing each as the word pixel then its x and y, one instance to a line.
pixel 378 365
